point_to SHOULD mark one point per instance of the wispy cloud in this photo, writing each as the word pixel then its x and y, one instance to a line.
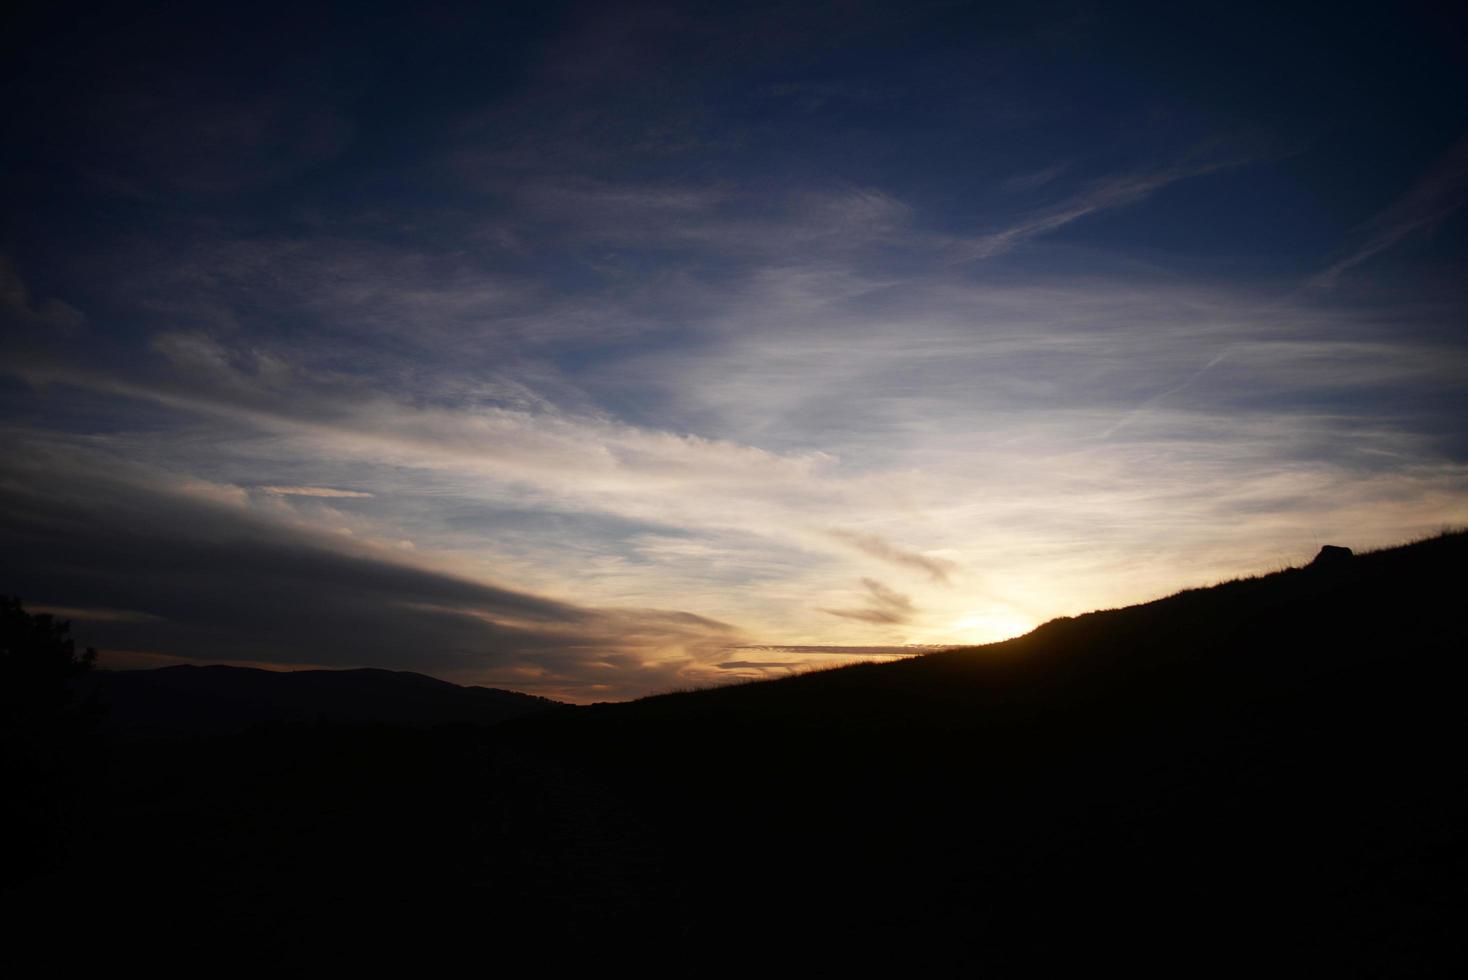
pixel 225 582
pixel 885 606
pixel 315 492
pixel 631 352
pixel 961 419
pixel 17 304
pixel 938 569
pixel 906 650
pixel 1440 192
pixel 1036 178
pixel 96 615
pixel 1106 194
pixel 1157 399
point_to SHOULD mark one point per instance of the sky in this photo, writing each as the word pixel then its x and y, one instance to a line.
pixel 596 350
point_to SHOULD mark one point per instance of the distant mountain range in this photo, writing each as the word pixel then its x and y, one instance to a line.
pixel 214 699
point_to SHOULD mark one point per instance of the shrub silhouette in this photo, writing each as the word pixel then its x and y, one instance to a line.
pixel 45 733
pixel 38 660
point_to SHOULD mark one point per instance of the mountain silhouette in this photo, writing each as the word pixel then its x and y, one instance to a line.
pixel 1266 766
pixel 1261 775
pixel 217 699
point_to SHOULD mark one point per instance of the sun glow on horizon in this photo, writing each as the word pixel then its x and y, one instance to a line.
pixel 989 626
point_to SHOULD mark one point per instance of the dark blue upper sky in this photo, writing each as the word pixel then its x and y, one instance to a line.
pixel 704 326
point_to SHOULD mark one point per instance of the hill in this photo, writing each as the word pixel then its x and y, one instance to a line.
pixel 219 700
pixel 1267 766
pixel 1265 774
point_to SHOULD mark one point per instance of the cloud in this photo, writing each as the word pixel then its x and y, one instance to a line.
pixel 704 385
pixel 1157 399
pixel 1440 192
pixel 1036 178
pixel 938 569
pixel 17 304
pixel 224 582
pixel 615 338
pixel 885 607
pixel 314 492
pixel 1105 194
pixel 906 650
pixel 97 615
pixel 963 419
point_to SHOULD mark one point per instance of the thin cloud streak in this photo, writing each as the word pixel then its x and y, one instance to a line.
pixel 1439 193
pixel 96 615
pixel 1136 413
pixel 316 492
pixel 1104 195
pixel 876 546
pixel 885 606
pixel 908 650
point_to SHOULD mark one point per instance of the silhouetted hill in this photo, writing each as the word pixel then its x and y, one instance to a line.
pixel 1387 611
pixel 1270 764
pixel 218 699
pixel 1262 776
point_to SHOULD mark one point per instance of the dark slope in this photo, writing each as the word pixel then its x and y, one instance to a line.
pixel 1264 776
pixel 1394 612
pixel 220 700
pixel 1270 766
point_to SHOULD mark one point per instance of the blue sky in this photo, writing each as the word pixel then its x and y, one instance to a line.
pixel 594 350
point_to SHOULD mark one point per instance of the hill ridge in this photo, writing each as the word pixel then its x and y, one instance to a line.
pixel 223 698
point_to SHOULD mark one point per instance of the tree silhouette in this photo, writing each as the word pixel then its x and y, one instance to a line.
pixel 38 660
pixel 45 733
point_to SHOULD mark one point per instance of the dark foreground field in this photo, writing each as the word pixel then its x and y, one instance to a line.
pixel 1266 775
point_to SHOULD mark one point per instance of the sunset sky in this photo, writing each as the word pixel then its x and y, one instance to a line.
pixel 594 350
